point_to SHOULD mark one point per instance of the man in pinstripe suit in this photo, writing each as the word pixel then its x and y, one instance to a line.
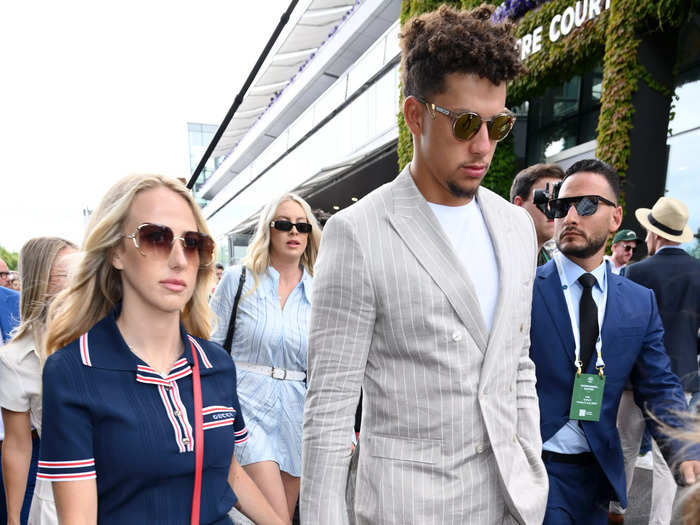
pixel 422 296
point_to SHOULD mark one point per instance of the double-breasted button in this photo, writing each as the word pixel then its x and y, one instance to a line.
pixel 480 448
pixel 456 336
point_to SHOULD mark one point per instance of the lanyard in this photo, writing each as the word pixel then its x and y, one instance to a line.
pixel 600 364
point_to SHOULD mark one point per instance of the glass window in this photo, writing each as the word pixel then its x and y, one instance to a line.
pixel 563 117
pixel 682 178
pixel 199 137
pixel 597 85
pixel 565 100
pixel 683 171
pixel 685 108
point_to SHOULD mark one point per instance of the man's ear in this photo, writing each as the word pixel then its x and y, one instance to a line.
pixel 616 219
pixel 518 200
pixel 413 114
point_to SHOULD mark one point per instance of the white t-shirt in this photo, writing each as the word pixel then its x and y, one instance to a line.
pixel 470 239
pixel 20 379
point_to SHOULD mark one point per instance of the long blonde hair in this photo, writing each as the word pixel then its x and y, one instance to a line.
pixel 36 259
pixel 257 258
pixel 96 286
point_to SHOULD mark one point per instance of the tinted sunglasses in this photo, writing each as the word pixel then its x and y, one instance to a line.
pixel 466 125
pixel 157 240
pixel 286 226
pixel 585 205
pixel 628 248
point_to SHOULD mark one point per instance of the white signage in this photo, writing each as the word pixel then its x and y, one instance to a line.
pixel 561 25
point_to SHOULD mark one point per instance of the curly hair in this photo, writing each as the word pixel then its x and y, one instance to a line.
pixel 448 40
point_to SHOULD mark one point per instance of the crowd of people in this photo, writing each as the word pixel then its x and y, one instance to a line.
pixel 507 368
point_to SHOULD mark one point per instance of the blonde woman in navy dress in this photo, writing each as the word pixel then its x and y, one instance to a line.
pixel 270 341
pixel 119 434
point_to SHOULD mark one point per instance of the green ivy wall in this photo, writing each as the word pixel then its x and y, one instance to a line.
pixel 614 35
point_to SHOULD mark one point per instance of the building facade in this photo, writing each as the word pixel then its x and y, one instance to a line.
pixel 615 79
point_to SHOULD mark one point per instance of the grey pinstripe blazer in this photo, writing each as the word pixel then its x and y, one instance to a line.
pixel 450 428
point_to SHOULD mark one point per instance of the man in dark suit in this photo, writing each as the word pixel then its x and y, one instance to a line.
pixel 592 330
pixel 674 276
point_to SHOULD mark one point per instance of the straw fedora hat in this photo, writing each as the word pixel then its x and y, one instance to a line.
pixel 668 218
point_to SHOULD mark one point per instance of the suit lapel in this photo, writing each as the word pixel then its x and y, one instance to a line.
pixel 418 227
pixel 499 231
pixel 553 299
pixel 611 318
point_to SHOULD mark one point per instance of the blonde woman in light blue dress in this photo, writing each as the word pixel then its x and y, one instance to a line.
pixel 270 342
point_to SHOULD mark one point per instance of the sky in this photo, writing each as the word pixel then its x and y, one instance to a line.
pixel 94 90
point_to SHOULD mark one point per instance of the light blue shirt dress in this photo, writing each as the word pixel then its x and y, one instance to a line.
pixel 271 336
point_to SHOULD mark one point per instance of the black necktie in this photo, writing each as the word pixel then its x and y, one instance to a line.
pixel 587 319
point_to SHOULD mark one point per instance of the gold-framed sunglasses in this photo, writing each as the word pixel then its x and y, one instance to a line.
pixel 466 125
pixel 156 240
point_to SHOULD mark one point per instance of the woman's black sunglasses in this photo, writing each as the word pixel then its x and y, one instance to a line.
pixel 286 226
pixel 584 204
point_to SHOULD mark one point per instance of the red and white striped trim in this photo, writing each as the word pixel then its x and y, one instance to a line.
pixel 66 470
pixel 152 380
pixel 237 436
pixel 67 464
pixel 177 401
pixel 167 381
pixel 180 374
pixel 205 360
pixel 216 424
pixel 68 477
pixel 84 351
pixel 180 362
pixel 216 408
pixel 181 446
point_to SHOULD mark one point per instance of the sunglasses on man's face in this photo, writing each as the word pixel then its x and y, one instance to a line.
pixel 156 240
pixel 466 125
pixel 628 247
pixel 584 204
pixel 286 226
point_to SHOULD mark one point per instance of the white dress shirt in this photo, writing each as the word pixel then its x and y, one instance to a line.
pixel 570 438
